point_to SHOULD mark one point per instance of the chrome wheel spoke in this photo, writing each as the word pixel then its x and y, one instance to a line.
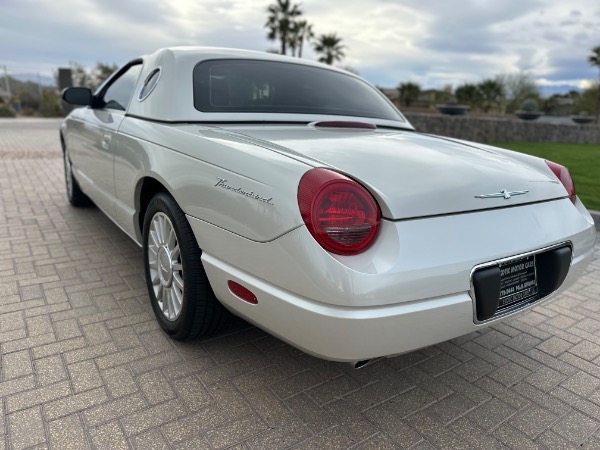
pixel 163 230
pixel 153 256
pixel 154 237
pixel 177 296
pixel 171 240
pixel 160 292
pixel 159 230
pixel 153 253
pixel 178 283
pixel 168 309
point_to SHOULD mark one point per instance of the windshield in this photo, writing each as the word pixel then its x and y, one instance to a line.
pixel 276 87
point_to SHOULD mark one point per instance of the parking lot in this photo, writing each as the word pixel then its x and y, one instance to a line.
pixel 85 365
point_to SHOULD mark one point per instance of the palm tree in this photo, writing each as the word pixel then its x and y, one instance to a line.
pixel 301 32
pixel 409 93
pixel 468 94
pixel 330 47
pixel 594 60
pixel 492 93
pixel 280 22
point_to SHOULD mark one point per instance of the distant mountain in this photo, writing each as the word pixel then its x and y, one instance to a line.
pixel 44 80
pixel 23 87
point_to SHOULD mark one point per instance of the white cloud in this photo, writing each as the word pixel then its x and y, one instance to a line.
pixel 388 41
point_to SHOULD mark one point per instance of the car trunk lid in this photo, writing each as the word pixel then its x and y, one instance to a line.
pixel 412 174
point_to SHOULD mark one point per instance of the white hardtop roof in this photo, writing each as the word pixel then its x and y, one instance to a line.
pixel 173 100
pixel 197 54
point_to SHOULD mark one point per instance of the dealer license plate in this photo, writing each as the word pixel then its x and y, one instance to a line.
pixel 518 280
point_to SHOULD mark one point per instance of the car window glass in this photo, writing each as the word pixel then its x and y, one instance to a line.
pixel 276 87
pixel 121 90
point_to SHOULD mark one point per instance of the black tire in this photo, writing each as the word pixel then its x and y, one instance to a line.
pixel 200 313
pixel 74 193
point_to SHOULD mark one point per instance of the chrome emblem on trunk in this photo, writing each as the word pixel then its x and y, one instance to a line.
pixel 503 193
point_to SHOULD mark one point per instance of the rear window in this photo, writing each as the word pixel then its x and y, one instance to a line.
pixel 276 87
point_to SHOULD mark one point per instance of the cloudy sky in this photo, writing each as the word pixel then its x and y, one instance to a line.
pixel 432 42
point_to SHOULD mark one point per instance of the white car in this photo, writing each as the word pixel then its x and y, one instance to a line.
pixel 296 196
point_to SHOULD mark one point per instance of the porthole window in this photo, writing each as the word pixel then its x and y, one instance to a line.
pixel 149 84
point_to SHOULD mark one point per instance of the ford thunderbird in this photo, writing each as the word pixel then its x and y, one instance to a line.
pixel 295 195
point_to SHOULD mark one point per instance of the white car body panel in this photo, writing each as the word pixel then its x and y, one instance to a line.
pixel 95 162
pixel 237 183
pixel 399 267
pixel 198 169
pixel 414 175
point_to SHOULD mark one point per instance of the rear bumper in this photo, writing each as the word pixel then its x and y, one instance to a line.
pixel 410 290
pixel 352 334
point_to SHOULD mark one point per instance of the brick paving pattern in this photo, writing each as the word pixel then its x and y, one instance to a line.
pixel 84 364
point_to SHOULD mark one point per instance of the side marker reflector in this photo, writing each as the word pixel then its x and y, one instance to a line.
pixel 242 292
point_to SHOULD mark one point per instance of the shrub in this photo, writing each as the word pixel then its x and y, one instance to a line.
pixel 529 105
pixel 6 112
pixel 409 93
pixel 50 106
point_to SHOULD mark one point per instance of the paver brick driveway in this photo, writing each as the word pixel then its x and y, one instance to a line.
pixel 84 364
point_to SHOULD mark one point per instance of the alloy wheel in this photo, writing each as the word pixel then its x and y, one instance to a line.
pixel 166 268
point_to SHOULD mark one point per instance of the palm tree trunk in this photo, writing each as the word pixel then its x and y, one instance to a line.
pixel 598 105
pixel 284 38
pixel 300 43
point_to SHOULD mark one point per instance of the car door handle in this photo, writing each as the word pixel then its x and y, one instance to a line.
pixel 106 141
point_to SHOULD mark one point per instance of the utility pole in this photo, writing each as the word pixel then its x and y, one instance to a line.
pixel 7 83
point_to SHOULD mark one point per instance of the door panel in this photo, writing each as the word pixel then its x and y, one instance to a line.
pixel 94 156
pixel 95 129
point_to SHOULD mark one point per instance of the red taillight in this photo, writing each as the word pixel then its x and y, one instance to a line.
pixel 341 215
pixel 563 175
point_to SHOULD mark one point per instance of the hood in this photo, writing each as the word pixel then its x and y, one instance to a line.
pixel 411 174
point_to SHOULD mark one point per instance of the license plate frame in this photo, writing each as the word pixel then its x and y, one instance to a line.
pixel 518 280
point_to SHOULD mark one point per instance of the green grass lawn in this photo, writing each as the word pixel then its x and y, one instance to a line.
pixel 583 161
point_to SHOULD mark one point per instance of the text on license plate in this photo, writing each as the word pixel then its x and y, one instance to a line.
pixel 518 280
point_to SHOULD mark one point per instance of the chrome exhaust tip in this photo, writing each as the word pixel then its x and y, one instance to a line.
pixel 365 362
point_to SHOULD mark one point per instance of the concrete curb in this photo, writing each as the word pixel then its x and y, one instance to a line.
pixel 596 217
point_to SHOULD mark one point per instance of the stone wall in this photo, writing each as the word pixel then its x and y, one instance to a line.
pixel 483 129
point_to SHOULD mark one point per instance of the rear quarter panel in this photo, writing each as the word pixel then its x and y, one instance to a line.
pixel 240 187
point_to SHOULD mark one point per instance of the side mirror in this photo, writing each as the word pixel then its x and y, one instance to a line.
pixel 77 96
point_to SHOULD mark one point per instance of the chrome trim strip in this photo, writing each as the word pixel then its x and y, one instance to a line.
pixel 519 306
